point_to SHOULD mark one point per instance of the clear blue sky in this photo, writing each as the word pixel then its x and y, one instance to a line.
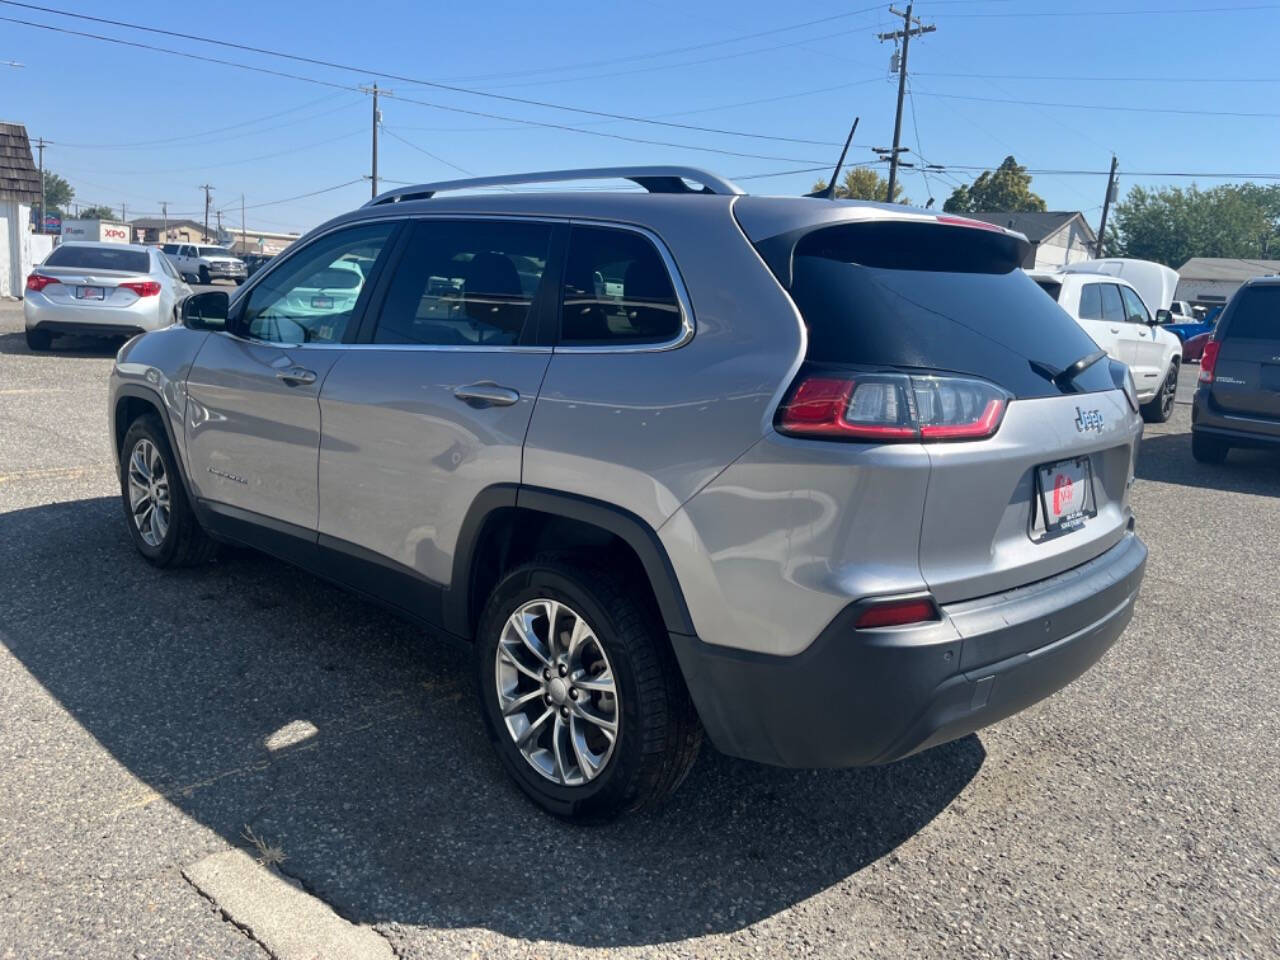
pixel 96 101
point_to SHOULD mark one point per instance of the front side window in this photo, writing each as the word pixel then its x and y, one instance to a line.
pixel 1112 305
pixel 312 296
pixel 1135 311
pixel 616 291
pixel 1091 301
pixel 465 283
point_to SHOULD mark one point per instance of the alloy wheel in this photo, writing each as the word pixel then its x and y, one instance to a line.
pixel 556 692
pixel 149 492
pixel 1170 392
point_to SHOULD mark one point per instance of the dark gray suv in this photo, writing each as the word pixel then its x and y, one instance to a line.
pixel 832 481
pixel 1237 402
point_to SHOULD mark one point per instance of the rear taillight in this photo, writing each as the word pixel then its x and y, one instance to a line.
pixel 887 407
pixel 38 281
pixel 143 288
pixel 1209 360
pixel 897 613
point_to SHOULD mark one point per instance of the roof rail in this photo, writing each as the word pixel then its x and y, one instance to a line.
pixel 659 179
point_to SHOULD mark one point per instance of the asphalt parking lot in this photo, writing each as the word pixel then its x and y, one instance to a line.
pixel 1135 813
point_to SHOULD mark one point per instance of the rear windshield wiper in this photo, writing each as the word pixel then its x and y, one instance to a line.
pixel 1064 378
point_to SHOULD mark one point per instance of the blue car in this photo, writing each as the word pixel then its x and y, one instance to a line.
pixel 1185 331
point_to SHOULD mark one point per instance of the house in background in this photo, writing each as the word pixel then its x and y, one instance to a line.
pixel 1057 237
pixel 158 230
pixel 19 191
pixel 1211 281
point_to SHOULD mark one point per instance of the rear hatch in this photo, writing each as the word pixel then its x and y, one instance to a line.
pixel 1246 376
pixel 1047 489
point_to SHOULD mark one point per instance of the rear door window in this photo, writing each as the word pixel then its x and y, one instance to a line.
pixel 1112 305
pixel 1091 301
pixel 921 296
pixel 617 291
pixel 465 283
pixel 1256 315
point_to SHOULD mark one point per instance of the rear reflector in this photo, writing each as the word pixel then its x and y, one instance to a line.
pixel 143 288
pixel 1209 360
pixel 897 613
pixel 884 407
pixel 38 282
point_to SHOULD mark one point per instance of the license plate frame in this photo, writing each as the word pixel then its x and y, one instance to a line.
pixel 1047 507
pixel 91 293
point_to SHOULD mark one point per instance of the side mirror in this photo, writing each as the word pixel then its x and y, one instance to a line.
pixel 1164 316
pixel 206 311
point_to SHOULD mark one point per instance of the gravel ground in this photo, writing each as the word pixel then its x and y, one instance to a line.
pixel 1135 813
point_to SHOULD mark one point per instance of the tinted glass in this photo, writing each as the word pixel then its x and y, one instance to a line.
pixel 465 283
pixel 170 248
pixel 1255 314
pixel 100 258
pixel 1134 309
pixel 215 252
pixel 1091 301
pixel 1112 305
pixel 311 296
pixel 616 291
pixel 1051 287
pixel 927 297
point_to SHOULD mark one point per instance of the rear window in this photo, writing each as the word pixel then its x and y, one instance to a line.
pixel 100 258
pixel 906 295
pixel 1255 314
pixel 215 252
pixel 1052 287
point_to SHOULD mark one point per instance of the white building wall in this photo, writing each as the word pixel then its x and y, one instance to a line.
pixel 1069 245
pixel 8 212
pixel 1206 291
pixel 15 247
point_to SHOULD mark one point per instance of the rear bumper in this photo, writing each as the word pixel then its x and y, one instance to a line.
pixel 97 320
pixel 1239 430
pixel 872 696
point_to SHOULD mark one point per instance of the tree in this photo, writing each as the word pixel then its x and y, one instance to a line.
pixel 863 183
pixel 1008 187
pixel 58 194
pixel 99 212
pixel 1173 224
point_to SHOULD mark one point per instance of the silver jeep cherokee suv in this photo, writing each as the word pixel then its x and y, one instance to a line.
pixel 832 481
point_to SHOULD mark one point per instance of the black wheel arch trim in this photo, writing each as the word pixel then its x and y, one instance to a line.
pixel 622 523
pixel 153 399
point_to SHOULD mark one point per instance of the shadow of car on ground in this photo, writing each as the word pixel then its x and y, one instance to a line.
pixel 72 345
pixel 395 808
pixel 1166 458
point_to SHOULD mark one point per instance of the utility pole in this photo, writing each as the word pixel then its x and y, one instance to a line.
pixel 40 143
pixel 219 226
pixel 206 188
pixel 164 212
pixel 377 119
pixel 244 244
pixel 1106 206
pixel 124 213
pixel 911 27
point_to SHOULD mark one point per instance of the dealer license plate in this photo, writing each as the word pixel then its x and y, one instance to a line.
pixel 1065 491
pixel 90 293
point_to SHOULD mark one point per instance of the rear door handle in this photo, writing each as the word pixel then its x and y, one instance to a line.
pixel 1115 329
pixel 296 376
pixel 486 395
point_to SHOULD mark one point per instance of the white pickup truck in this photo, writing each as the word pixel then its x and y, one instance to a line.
pixel 205 264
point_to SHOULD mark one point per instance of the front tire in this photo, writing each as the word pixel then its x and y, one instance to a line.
pixel 1208 449
pixel 581 694
pixel 38 341
pixel 161 523
pixel 1160 407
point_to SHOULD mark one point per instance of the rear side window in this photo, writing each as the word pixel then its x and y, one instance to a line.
pixel 1256 315
pixel 921 296
pixel 1112 305
pixel 1091 301
pixel 100 258
pixel 1051 287
pixel 616 291
pixel 465 283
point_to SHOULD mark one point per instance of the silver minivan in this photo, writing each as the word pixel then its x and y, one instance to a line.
pixel 831 481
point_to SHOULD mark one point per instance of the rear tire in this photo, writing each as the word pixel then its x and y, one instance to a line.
pixel 38 341
pixel 1207 449
pixel 161 522
pixel 620 645
pixel 1160 407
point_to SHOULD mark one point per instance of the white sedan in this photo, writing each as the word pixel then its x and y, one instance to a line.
pixel 101 289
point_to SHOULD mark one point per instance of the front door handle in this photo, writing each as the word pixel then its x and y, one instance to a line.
pixel 296 376
pixel 486 395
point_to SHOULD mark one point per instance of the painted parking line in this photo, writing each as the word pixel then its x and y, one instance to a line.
pixel 56 473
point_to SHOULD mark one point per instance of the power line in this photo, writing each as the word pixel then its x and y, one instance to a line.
pixel 302 196
pixel 438 106
pixel 1094 106
pixel 1160 11
pixel 401 78
pixel 1189 78
pixel 437 159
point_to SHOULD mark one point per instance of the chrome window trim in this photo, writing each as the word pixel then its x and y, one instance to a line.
pixel 687 328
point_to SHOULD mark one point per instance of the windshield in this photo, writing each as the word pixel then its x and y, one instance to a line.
pixel 923 296
pixel 100 258
pixel 215 252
